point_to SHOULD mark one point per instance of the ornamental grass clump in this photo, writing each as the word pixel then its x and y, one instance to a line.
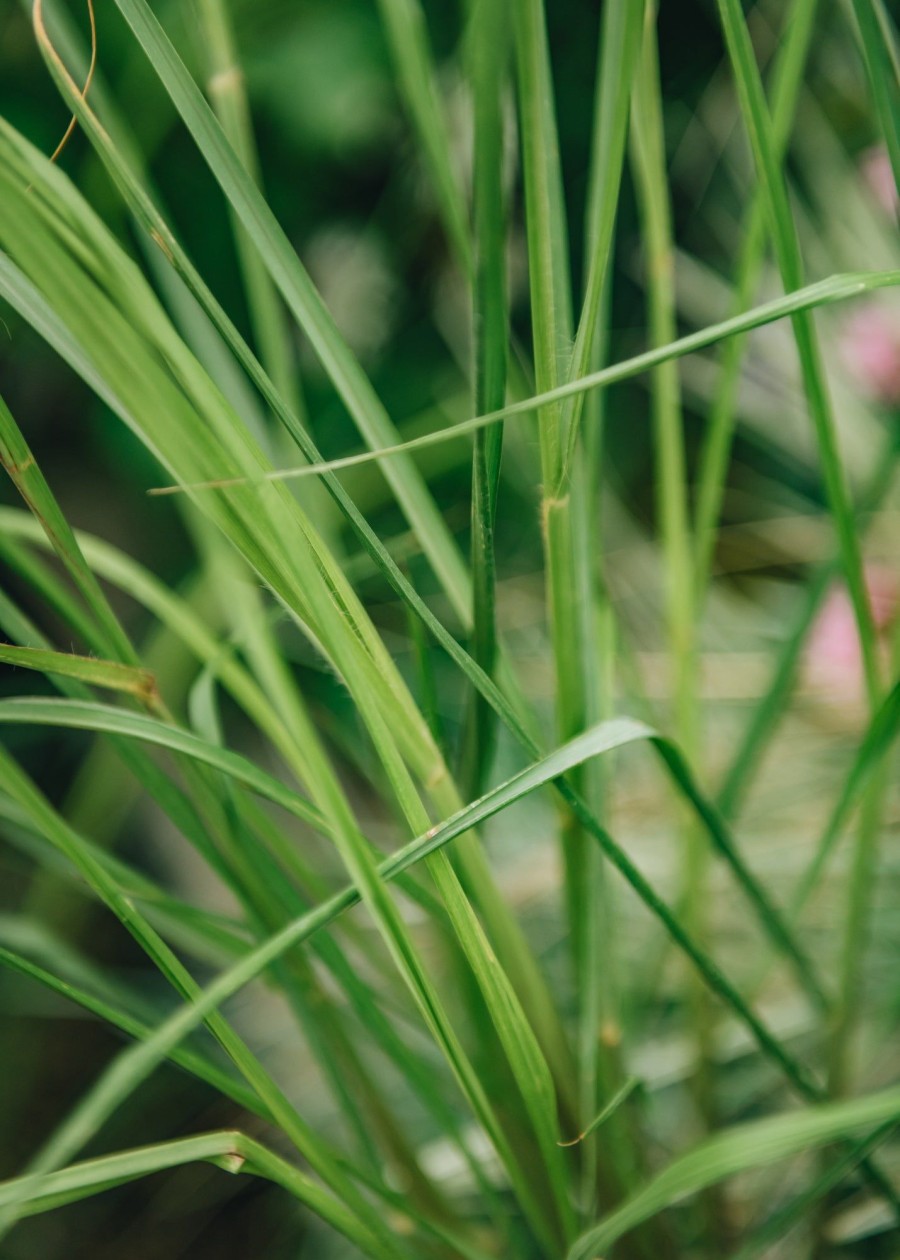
pixel 460 796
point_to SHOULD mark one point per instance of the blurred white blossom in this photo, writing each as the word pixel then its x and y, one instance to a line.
pixel 350 271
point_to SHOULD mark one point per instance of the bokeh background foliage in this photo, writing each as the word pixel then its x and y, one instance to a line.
pixel 592 706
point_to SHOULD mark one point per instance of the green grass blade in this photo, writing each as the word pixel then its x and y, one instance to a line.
pixel 117 722
pixel 211 938
pixel 837 288
pixel 713 464
pixel 670 460
pixel 198 1065
pixel 735 1150
pixel 488 54
pixel 671 477
pixel 291 279
pixel 130 577
pixel 571 522
pixel 873 748
pixel 19 462
pixel 553 766
pixel 185 812
pixel 134 1064
pixel 84 1122
pixel 23 294
pixel 609 736
pixel 768 916
pixel 551 333
pixel 770 707
pixel 379 1028
pixel 230 1151
pixel 620 44
pixel 884 80
pixel 87 669
pixel 782 1221
pixel 781 226
pixel 96 1175
pixel 26 298
pixel 856 936
pixel 227 91
pixel 166 419
pixel 619 1097
pixel 143 1057
pixel 545 221
pixel 759 127
pixel 99 717
pixel 407 36
pixel 53 590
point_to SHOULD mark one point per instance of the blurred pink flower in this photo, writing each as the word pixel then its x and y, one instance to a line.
pixel 833 662
pixel 870 347
pixel 875 165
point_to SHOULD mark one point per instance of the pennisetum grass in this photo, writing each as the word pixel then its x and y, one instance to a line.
pixel 311 757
